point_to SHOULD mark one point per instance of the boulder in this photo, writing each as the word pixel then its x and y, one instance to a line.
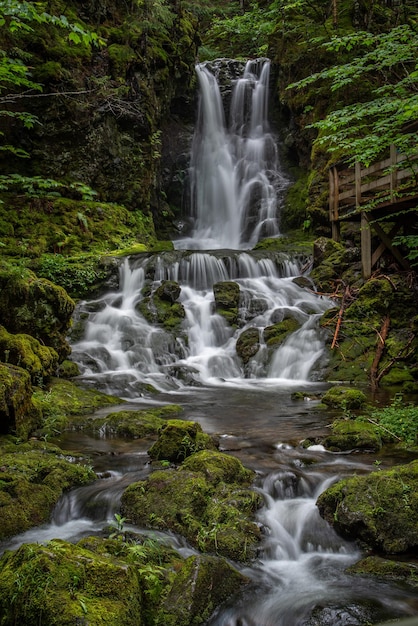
pixel 379 510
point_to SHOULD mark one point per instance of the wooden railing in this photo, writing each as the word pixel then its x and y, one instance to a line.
pixel 370 193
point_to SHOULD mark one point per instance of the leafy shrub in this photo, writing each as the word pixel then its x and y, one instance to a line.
pixel 400 420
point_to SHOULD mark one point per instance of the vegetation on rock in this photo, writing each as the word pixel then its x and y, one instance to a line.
pixel 379 510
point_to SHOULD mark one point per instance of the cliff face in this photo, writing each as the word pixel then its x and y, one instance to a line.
pixel 102 107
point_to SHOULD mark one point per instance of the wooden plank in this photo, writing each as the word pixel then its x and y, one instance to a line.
pixel 366 246
pixel 382 246
pixel 388 243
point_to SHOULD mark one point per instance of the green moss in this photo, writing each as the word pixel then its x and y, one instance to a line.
pixel 248 344
pixel 33 477
pixel 36 307
pixel 386 569
pixel 276 334
pixel 25 351
pixel 134 424
pixel 178 439
pixel 227 295
pixel 353 434
pixel 161 306
pixel 217 466
pixel 215 517
pixel 18 413
pixel 196 592
pixel 64 584
pixel 346 398
pixel 379 510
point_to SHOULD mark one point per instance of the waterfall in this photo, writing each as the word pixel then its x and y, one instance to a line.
pixel 236 189
pixel 234 171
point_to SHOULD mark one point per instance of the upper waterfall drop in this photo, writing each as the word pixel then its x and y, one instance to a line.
pixel 235 175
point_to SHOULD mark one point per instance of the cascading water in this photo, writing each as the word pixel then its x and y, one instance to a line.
pixel 235 175
pixel 236 186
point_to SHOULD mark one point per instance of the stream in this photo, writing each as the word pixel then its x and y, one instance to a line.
pixel 237 185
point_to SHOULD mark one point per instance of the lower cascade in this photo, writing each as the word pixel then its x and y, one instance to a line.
pixel 196 338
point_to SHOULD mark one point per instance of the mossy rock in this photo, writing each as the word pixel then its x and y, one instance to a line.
pixel 36 307
pixel 202 584
pixel 379 510
pixel 353 434
pixel 18 413
pixel 178 439
pixel 346 398
pixel 218 466
pixel 276 334
pixel 248 344
pixel 162 308
pixel 135 424
pixel 33 476
pixel 214 517
pixel 387 569
pixel 227 298
pixel 68 369
pixel 64 403
pixel 25 351
pixel 64 584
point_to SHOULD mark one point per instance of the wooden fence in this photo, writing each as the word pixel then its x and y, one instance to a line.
pixel 382 191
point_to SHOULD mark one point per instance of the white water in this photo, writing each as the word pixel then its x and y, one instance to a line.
pixel 121 352
pixel 302 562
pixel 235 174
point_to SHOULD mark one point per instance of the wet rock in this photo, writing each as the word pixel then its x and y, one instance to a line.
pixel 25 351
pixel 36 307
pixel 18 413
pixel 168 290
pixel 33 476
pixel 248 344
pixel 177 439
pixel 135 424
pixel 196 501
pixel 227 300
pixel 352 434
pixel 344 398
pixel 66 584
pixel 379 510
pixel 203 583
pixel 387 569
pixel 275 334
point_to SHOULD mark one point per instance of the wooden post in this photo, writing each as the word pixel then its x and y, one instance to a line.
pixel 366 238
pixel 366 246
pixel 393 171
pixel 333 203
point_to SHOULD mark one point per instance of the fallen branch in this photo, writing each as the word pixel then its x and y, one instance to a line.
pixel 374 378
pixel 383 428
pixel 340 316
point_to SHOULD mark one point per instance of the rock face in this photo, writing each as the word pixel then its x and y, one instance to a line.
pixel 18 413
pixel 107 133
pixel 379 510
pixel 36 307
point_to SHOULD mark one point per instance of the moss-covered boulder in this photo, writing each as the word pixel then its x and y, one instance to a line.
pixel 353 434
pixel 64 403
pixel 33 477
pixel 62 584
pixel 379 510
pixel 219 467
pixel 133 424
pixel 248 344
pixel 25 351
pixel 202 584
pixel 18 413
pixel 276 334
pixel 162 307
pixel 227 298
pixel 178 439
pixel 332 262
pixel 347 398
pixel 214 515
pixel 387 569
pixel 36 307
